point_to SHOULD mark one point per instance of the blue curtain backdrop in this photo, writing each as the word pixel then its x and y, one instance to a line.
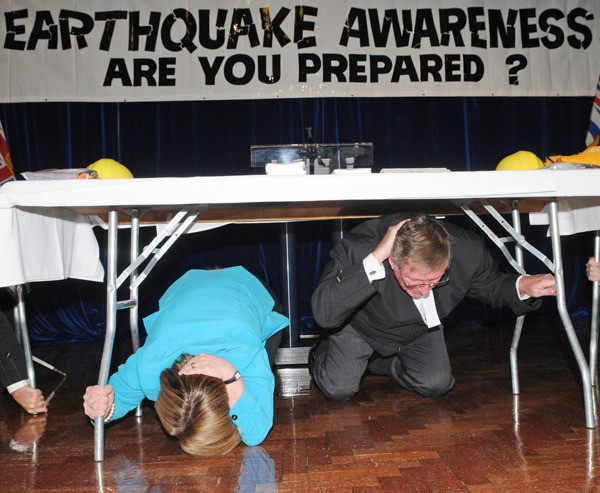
pixel 211 138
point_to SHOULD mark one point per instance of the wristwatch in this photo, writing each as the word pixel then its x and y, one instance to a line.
pixel 236 376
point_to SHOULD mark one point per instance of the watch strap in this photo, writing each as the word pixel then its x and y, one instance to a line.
pixel 236 376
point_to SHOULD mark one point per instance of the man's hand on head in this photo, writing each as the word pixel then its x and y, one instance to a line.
pixel 384 249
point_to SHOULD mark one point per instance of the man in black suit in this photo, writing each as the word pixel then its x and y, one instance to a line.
pixel 386 288
pixel 13 371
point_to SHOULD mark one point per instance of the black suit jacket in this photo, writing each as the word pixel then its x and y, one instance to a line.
pixel 12 357
pixel 385 314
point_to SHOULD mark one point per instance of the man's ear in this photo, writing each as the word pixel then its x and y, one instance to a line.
pixel 392 264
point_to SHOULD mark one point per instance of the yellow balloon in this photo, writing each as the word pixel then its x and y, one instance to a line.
pixel 520 160
pixel 110 169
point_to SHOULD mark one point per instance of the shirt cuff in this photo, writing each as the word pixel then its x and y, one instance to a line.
pixel 18 447
pixel 375 271
pixel 17 385
pixel 524 296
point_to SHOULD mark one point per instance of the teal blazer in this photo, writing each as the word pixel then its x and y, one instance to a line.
pixel 226 312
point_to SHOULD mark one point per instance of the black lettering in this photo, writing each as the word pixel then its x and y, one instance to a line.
pixel 190 31
pixel 361 32
pixel 275 74
pixel 452 22
pixel 357 68
pixel 39 32
pixel 404 66
pixel 166 72
pixel 210 71
pixel 528 29
pixel 117 70
pixel 378 65
pixel 272 27
pixel 473 68
pixel 150 31
pixel 452 68
pixel 425 29
pixel 242 25
pixel 501 33
pixel 110 19
pixel 13 30
pixel 431 65
pixel 334 64
pixel 248 69
pixel 308 63
pixel 572 22
pixel 301 25
pixel 475 26
pixel 381 31
pixel 144 68
pixel 204 29
pixel 555 37
pixel 66 30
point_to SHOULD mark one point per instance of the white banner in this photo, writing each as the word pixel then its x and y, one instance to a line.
pixel 125 50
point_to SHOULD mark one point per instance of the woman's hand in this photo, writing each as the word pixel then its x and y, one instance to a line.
pixel 98 401
pixel 592 269
pixel 215 366
pixel 210 365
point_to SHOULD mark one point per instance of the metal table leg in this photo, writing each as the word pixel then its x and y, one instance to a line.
pixel 289 278
pixel 594 328
pixel 514 347
pixel 134 287
pixel 590 420
pixel 23 333
pixel 111 323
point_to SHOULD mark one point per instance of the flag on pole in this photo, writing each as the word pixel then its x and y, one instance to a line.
pixel 594 129
pixel 6 169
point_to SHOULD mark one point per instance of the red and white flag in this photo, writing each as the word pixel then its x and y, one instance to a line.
pixel 594 129
pixel 6 169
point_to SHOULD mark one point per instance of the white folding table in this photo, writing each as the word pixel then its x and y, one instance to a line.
pixel 60 215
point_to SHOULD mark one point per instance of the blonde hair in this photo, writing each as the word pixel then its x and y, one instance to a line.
pixel 195 410
pixel 424 243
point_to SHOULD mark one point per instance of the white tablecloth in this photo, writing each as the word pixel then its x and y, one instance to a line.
pixel 47 244
pixel 575 215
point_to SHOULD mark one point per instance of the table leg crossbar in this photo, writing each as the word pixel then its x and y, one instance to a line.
pixel 557 268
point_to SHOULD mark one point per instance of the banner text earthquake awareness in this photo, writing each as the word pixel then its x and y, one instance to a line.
pixel 434 45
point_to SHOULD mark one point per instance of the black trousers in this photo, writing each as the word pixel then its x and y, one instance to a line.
pixel 422 366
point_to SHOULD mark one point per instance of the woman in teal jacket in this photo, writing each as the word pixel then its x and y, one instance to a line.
pixel 204 363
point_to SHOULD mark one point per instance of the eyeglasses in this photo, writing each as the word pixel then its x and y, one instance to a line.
pixel 442 281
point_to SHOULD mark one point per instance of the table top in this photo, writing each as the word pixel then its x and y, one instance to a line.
pixel 46 226
pixel 245 189
pixel 301 197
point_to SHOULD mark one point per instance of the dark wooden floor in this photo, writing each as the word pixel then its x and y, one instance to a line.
pixel 479 438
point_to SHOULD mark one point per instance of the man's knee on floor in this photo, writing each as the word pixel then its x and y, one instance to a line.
pixel 339 395
pixel 437 388
pixel 335 392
